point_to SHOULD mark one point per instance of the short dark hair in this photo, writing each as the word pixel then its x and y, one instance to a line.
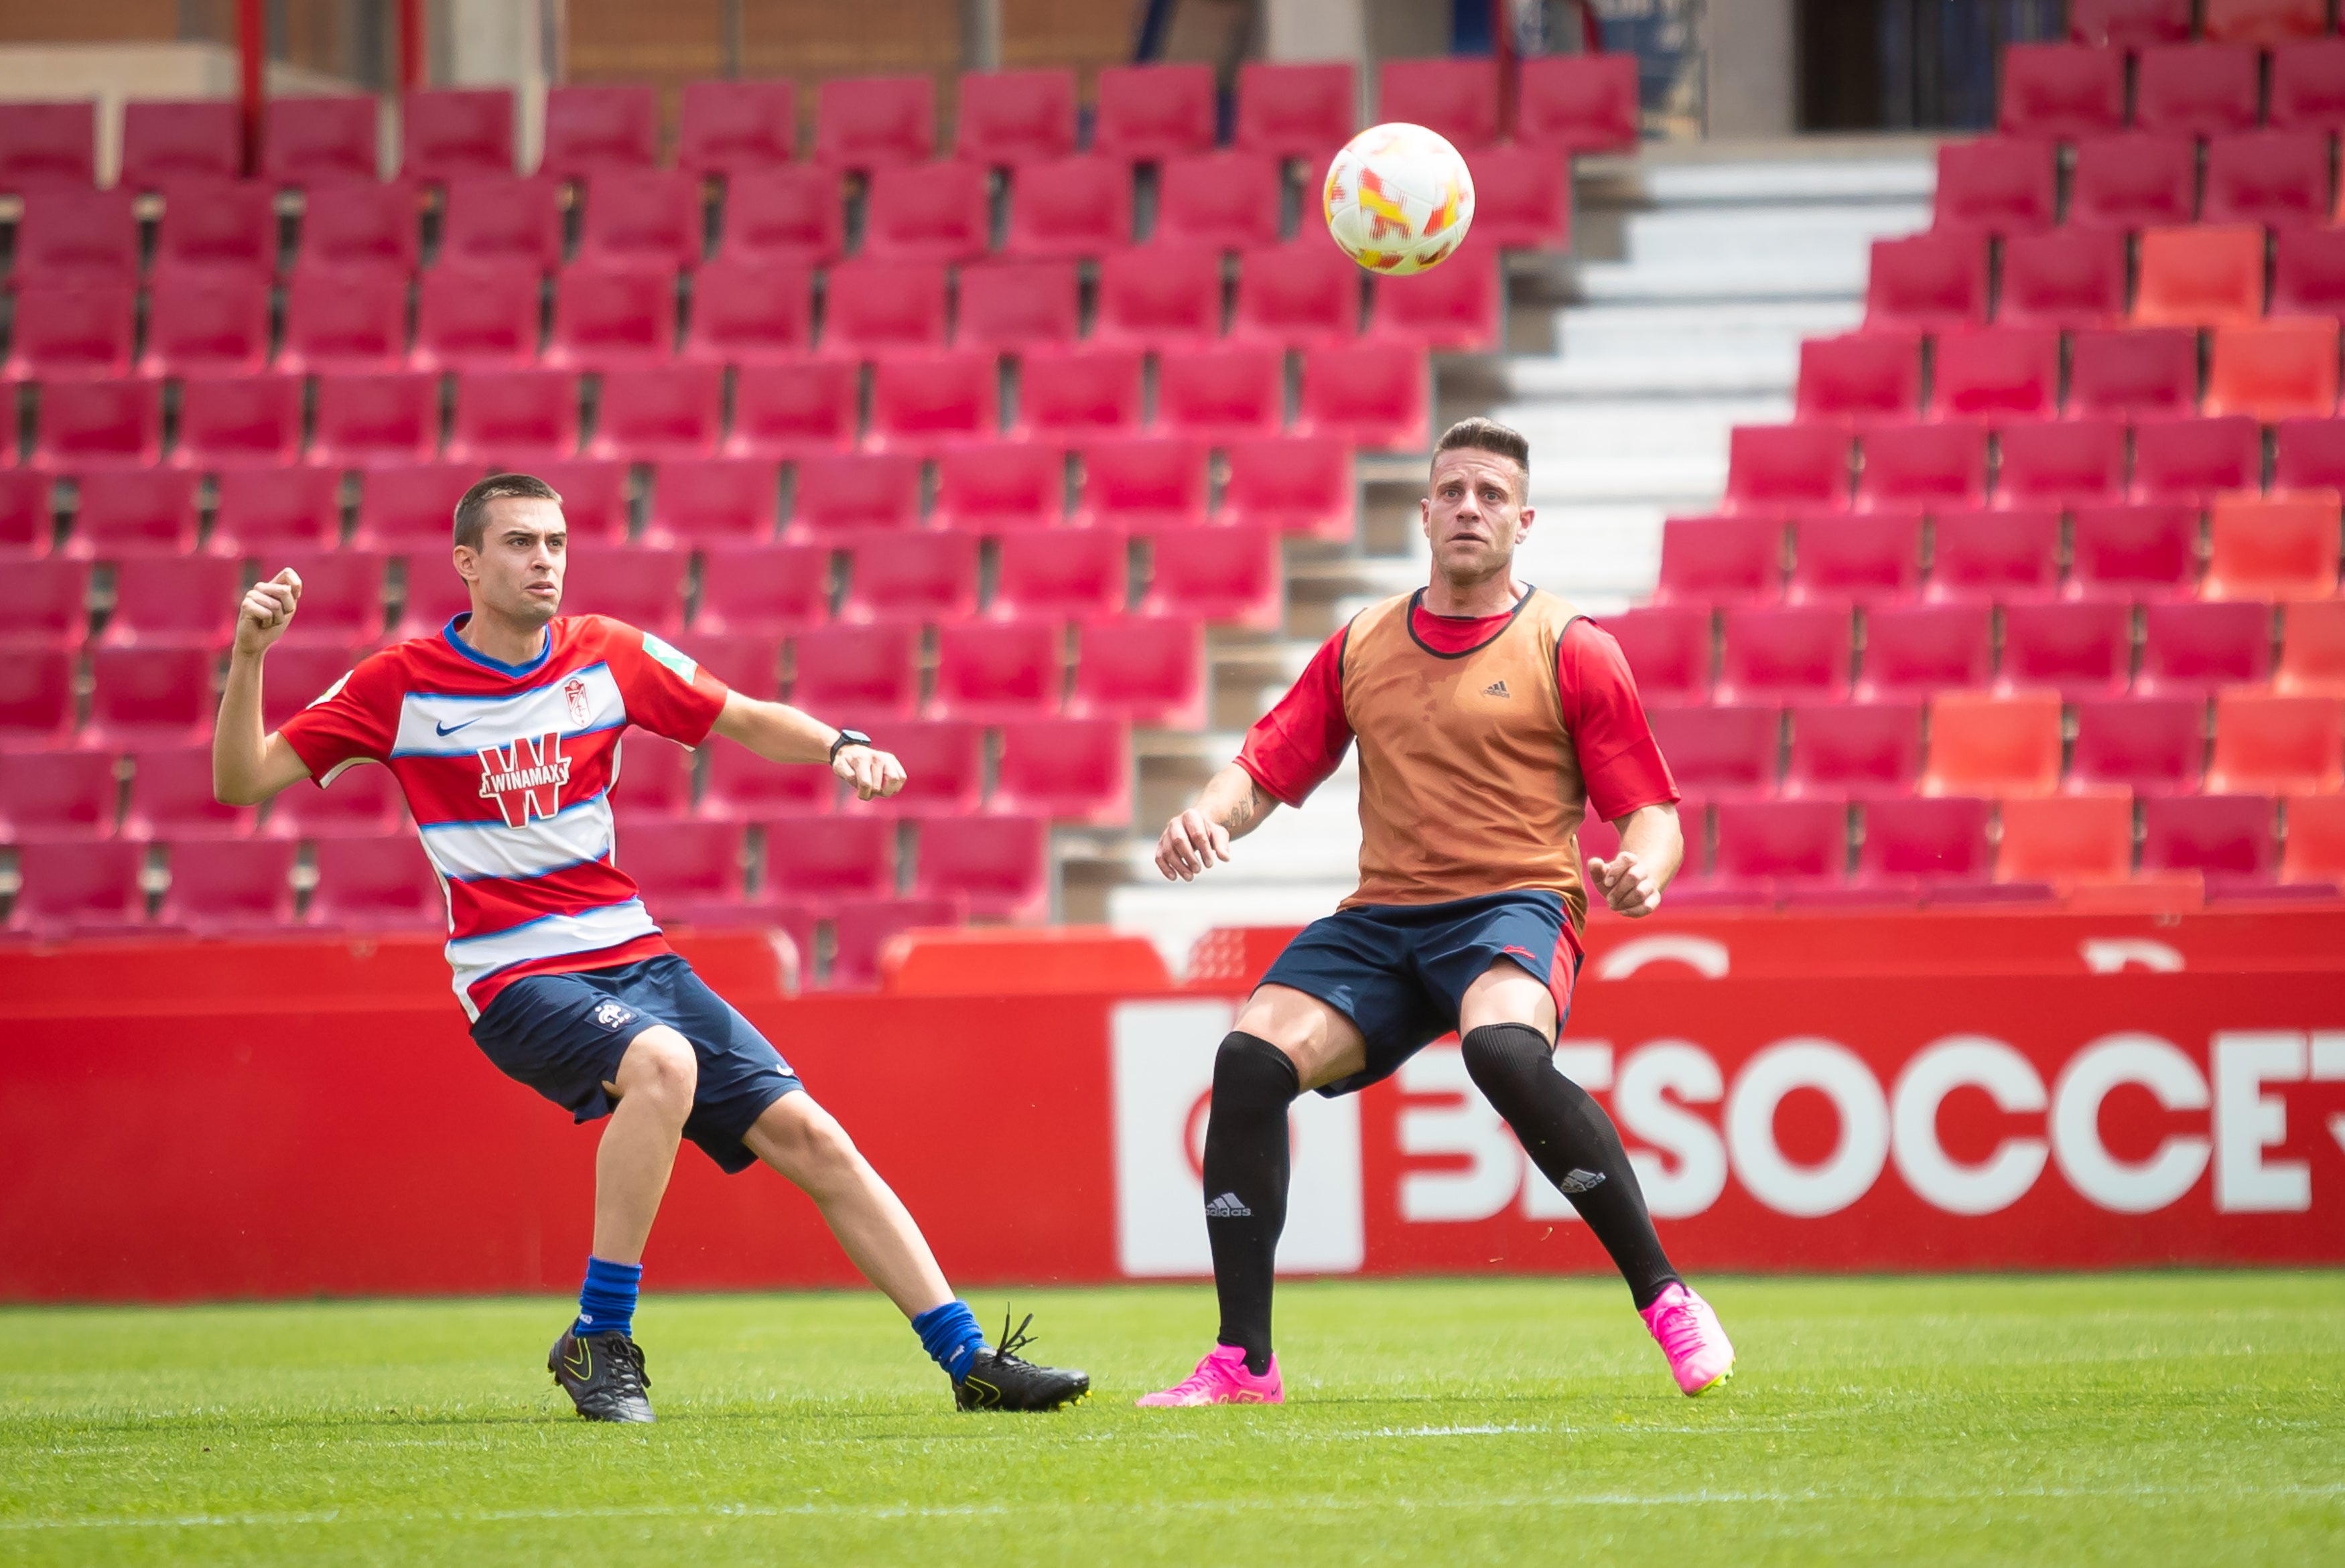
pixel 473 511
pixel 1488 436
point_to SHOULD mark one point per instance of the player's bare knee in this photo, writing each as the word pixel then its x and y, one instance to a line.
pixel 660 1065
pixel 1506 993
pixel 804 1142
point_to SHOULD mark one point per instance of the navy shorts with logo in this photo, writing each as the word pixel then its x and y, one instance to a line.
pixel 1399 971
pixel 563 1035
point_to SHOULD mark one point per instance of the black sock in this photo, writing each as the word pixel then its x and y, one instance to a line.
pixel 1245 1185
pixel 1573 1143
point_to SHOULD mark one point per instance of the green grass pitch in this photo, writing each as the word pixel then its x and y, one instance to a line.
pixel 2156 1418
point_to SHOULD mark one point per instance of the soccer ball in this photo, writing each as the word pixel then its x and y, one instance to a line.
pixel 1398 198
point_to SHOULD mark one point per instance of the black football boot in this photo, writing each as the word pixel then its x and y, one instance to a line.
pixel 999 1379
pixel 604 1375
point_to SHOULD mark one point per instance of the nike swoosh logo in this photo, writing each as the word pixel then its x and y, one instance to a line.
pixel 452 729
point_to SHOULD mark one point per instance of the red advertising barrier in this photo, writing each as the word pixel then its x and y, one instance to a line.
pixel 204 1121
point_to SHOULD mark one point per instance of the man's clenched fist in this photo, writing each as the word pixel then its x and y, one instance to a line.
pixel 1628 887
pixel 267 610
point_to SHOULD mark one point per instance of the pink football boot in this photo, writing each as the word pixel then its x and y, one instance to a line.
pixel 1222 1378
pixel 1701 1357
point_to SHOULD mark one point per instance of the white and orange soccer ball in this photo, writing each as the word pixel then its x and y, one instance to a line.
pixel 1398 198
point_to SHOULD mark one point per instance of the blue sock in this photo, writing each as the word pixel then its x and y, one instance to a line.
pixel 951 1335
pixel 607 1299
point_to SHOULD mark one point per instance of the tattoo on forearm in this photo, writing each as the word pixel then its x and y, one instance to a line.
pixel 1244 811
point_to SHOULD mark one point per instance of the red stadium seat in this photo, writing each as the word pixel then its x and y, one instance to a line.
pixel 1375 395
pixel 1918 650
pixel 922 576
pixel 1925 844
pixel 239 422
pixel 2058 462
pixel 376 884
pixel 869 122
pixel 1015 116
pixel 884 306
pixel 2312 649
pixel 1457 95
pixel 1229 576
pixel 2193 648
pixel 2066 840
pixel 1009 305
pixel 788 411
pixel 858 675
pixel 944 764
pixel 1302 293
pixel 929 401
pixel 1295 485
pixel 831 857
pixel 1147 669
pixel 78 890
pixel 699 501
pixel 1993 744
pixel 1925 466
pixel 1067 394
pixel 2222 836
pixel 450 134
pixel 434 594
pixel 174 600
pixel 990 487
pixel 663 411
pixel 600 129
pixel 2189 459
pixel 320 143
pixel 411 508
pixel 98 425
pixel 1669 652
pixel 2307 86
pixel 2148 551
pixel 510 416
pixel 63 333
pixel 879 489
pixel 2315 850
pixel 642 218
pixel 1731 558
pixel 1770 654
pixel 1855 560
pixel 341 597
pixel 1721 750
pixel 2128 374
pixel 1861 377
pixel 47 795
pixel 171 797
pixel 1767 850
pixel 2002 185
pixel 1787 467
pixel 37 698
pixel 500 221
pixel 594 499
pixel 1579 103
pixel 2211 276
pixel 789 213
pixel 2080 649
pixel 991 671
pixel 2198 89
pixel 370 420
pixel 1061 574
pixel 1458 306
pixel 2309 454
pixel 729 127
pixel 1995 373
pixel 217 223
pixel 82 237
pixel 2277 745
pixel 1070 206
pixel 476 317
pixel 2309 273
pixel 2279 178
pixel 2066 279
pixel 1295 110
pixel 362 802
pixel 862 927
pixel 762 589
pixel 1841 749
pixel 134 512
pixel 1927 281
pixel 48 146
pixel 2129 24
pixel 2135 179
pixel 2147 746
pixel 1151 112
pixel 2273 371
pixel 1002 870
pixel 750 313
pixel 346 318
pixel 643 586
pixel 44 603
pixel 1142 484
pixel 2061 90
pixel 1521 200
pixel 150 697
pixel 27 519
pixel 2276 547
pixel 1160 298
pixel 926 212
pixel 744 786
pixel 2265 21
pixel 611 319
pixel 1225 394
pixel 1226 200
pixel 216 323
pixel 1070 770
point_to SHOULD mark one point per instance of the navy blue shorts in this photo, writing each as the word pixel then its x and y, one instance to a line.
pixel 1398 971
pixel 563 1035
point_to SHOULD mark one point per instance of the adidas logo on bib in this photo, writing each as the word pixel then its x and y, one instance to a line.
pixel 1495 689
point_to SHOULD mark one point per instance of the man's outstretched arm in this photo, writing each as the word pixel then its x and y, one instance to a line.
pixel 781 734
pixel 1652 849
pixel 248 763
pixel 1231 805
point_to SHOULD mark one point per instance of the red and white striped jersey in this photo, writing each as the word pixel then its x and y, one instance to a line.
pixel 508 770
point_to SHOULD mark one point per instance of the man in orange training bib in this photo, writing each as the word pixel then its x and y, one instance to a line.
pixel 1490 718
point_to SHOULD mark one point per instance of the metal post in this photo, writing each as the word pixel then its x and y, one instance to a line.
pixel 734 42
pixel 1502 52
pixel 252 61
pixel 412 62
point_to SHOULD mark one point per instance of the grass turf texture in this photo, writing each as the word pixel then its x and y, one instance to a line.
pixel 2115 1419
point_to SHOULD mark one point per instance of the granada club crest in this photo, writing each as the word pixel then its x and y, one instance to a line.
pixel 525 778
pixel 574 691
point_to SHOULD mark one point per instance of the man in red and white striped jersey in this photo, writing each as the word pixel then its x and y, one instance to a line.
pixel 504 730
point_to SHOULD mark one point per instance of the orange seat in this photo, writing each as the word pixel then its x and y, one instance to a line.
pixel 2312 649
pixel 2200 277
pixel 2315 850
pixel 2265 21
pixel 2277 547
pixel 2273 370
pixel 2267 745
pixel 1984 744
pixel 2066 838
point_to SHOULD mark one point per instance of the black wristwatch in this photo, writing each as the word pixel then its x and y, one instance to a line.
pixel 847 738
